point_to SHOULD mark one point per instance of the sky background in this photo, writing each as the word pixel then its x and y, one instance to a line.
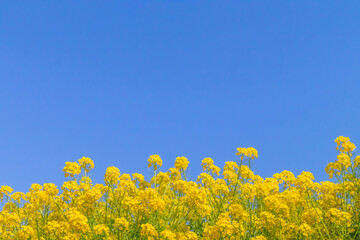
pixel 122 80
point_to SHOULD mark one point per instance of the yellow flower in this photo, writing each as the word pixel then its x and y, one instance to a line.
pixel 148 231
pixel 86 163
pixel 224 225
pixel 357 161
pixel 5 190
pixel 101 229
pixel 312 216
pixel 181 163
pixel 238 212
pixel 112 175
pixel 344 160
pixel 304 180
pixel 35 187
pixel 267 219
pixel 305 230
pixel 78 222
pixel 206 179
pixel 168 235
pixel 259 237
pixel 154 161
pixel 211 232
pixel 206 163
pixel 138 177
pixel 122 224
pixel 338 217
pixel 248 152
pixel 17 196
pixel 285 177
pixel 341 140
pixel 71 169
pixel 344 144
pixel 237 205
pixel 214 169
pixel 51 189
pixel 56 228
pixel 25 233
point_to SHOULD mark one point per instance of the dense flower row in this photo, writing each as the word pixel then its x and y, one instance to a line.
pixel 234 205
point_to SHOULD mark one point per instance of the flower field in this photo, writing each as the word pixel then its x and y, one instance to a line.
pixel 232 203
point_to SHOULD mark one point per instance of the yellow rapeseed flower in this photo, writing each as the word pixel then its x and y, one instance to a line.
pixel 154 161
pixel 236 205
pixel 148 231
pixel 71 169
pixel 86 163
pixel 247 152
pixel 122 224
pixel 112 175
pixel 181 163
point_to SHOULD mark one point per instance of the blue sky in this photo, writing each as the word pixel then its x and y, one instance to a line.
pixel 121 80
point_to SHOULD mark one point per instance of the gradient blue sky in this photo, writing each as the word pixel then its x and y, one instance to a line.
pixel 118 81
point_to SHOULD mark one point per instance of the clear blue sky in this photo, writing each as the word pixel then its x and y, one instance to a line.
pixel 118 81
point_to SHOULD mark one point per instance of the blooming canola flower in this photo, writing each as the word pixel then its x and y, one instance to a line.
pixel 236 204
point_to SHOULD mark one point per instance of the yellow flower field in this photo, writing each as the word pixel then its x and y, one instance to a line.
pixel 230 204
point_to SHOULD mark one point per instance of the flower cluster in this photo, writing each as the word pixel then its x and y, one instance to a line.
pixel 229 205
